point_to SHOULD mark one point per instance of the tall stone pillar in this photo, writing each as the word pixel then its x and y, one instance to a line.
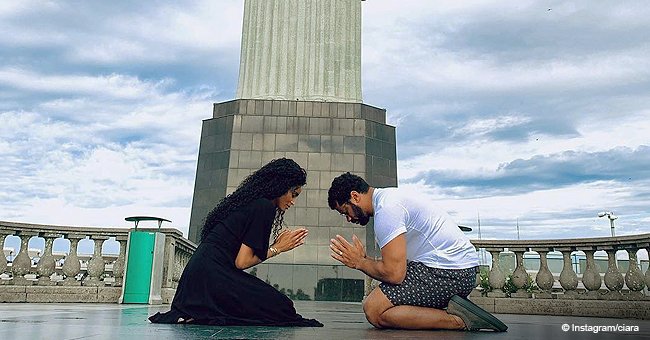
pixel 299 98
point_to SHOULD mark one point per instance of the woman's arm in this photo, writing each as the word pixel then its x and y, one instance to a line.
pixel 286 241
pixel 246 258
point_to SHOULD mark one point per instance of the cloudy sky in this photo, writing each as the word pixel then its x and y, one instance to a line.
pixel 528 111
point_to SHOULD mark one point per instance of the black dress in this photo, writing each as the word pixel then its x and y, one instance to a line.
pixel 213 291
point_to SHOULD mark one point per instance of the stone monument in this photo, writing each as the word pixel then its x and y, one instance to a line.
pixel 299 96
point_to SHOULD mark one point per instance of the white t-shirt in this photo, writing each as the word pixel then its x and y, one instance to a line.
pixel 431 236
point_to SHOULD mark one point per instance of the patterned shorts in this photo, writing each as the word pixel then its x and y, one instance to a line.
pixel 430 287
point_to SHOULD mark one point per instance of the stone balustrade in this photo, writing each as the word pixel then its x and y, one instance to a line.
pixel 624 291
pixel 31 279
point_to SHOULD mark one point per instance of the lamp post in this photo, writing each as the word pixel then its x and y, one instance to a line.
pixel 610 215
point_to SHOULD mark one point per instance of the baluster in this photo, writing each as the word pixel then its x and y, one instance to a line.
pixel 544 277
pixel 520 277
pixel 177 268
pixel 613 277
pixel 22 264
pixel 96 265
pixel 3 260
pixel 168 267
pixel 72 265
pixel 46 264
pixel 495 277
pixel 634 277
pixel 591 277
pixel 568 277
pixel 118 265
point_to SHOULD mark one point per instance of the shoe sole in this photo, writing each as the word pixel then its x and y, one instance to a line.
pixel 478 311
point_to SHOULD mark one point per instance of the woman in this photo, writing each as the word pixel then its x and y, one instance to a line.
pixel 214 289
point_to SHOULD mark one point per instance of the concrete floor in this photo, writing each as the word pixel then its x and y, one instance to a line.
pixel 342 321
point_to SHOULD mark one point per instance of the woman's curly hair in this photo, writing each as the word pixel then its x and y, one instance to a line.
pixel 271 181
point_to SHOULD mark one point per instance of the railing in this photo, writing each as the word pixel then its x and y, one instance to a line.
pixel 102 270
pixel 31 277
pixel 634 280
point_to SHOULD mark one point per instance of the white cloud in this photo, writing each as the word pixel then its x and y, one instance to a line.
pixel 100 114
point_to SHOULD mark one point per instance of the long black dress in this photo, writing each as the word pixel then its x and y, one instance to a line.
pixel 213 291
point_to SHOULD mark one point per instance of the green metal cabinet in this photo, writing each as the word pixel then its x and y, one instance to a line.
pixel 143 265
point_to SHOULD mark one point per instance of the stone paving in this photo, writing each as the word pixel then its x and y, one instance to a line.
pixel 342 321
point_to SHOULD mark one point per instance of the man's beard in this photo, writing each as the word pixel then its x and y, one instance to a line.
pixel 360 217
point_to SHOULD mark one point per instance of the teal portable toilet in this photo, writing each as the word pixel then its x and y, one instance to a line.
pixel 145 250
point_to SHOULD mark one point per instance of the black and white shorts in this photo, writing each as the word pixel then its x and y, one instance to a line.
pixel 430 287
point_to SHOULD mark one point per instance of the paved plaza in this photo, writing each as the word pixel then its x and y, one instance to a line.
pixel 342 321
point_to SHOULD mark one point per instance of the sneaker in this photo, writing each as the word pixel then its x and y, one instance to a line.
pixel 474 317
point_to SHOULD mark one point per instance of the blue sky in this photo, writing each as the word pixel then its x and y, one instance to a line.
pixel 530 110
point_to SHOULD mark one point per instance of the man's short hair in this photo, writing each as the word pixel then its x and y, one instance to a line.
pixel 342 185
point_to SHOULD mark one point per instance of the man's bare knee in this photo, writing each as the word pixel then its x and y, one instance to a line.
pixel 371 313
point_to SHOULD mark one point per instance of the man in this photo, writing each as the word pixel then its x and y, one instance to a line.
pixel 426 265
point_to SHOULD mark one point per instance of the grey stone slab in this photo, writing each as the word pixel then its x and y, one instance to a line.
pixel 340 110
pixel 320 126
pixel 324 256
pixel 267 156
pixel 300 109
pixel 233 159
pixel 338 145
pixel 305 278
pixel 309 143
pixel 292 108
pixel 13 297
pixel 307 216
pixel 109 294
pixel 355 144
pixel 317 109
pixel 380 166
pixel 281 125
pixel 343 127
pixel 309 107
pixel 286 142
pixel 267 108
pixel 60 290
pixel 299 157
pixel 326 178
pixel 292 125
pixel 276 107
pixel 242 141
pixel 268 142
pixel 250 106
pixel 258 141
pixel 313 178
pixel 342 162
pixel 319 161
pixel 303 125
pixel 359 163
pixel 326 143
pixel 373 147
pixel 13 289
pixel 259 107
pixel 319 235
pixel 270 124
pixel 349 110
pixel 253 124
pixel 311 197
pixel 328 217
pixel 236 123
pixel 359 127
pixel 306 254
pixel 284 108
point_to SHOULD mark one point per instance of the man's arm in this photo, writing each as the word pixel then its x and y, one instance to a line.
pixel 391 268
